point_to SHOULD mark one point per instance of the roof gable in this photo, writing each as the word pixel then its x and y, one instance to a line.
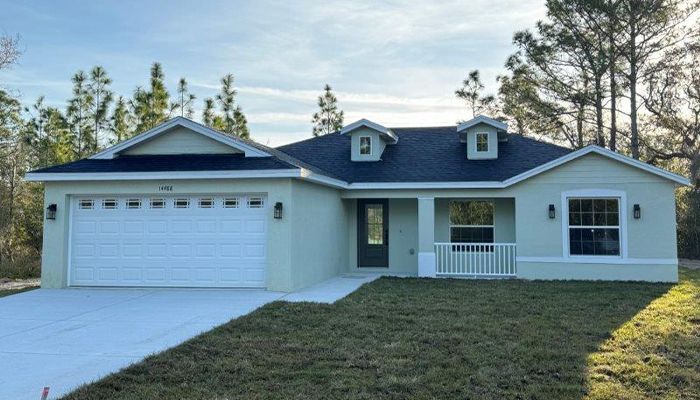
pixel 171 126
pixel 603 152
pixel 482 119
pixel 387 134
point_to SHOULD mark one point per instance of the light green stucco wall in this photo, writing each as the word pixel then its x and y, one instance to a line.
pixel 403 237
pixel 280 232
pixel 654 195
pixel 319 244
pixel 625 272
pixel 378 145
pixel 472 154
pixel 649 239
pixel 180 140
pixel 317 237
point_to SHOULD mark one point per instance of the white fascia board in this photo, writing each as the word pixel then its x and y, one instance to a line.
pixel 247 149
pixel 164 175
pixel 427 185
pixel 322 179
pixel 603 152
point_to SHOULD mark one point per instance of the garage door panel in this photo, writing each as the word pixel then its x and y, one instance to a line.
pixel 204 245
pixel 133 228
pixel 231 225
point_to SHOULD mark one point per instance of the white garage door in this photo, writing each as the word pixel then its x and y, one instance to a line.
pixel 152 240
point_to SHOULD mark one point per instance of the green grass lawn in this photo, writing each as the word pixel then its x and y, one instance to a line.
pixel 418 338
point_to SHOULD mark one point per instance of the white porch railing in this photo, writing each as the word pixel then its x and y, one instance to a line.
pixel 475 259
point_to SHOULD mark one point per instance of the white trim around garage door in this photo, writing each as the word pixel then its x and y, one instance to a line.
pixel 230 267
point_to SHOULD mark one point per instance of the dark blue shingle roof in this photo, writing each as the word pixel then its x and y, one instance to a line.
pixel 179 162
pixel 424 155
pixel 421 155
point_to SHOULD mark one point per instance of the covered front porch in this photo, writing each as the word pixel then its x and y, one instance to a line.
pixel 434 236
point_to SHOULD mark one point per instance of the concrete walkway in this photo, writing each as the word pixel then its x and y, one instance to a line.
pixel 63 338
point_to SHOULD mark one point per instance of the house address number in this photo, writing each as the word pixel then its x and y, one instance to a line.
pixel 165 188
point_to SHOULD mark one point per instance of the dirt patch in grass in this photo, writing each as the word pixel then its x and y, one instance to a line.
pixel 16 284
pixel 436 338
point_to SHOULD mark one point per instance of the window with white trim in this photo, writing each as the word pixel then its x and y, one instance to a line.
pixel 594 226
pixel 157 203
pixel 255 202
pixel 206 203
pixel 365 145
pixel 133 204
pixel 482 142
pixel 231 202
pixel 181 203
pixel 110 204
pixel 86 204
pixel 471 221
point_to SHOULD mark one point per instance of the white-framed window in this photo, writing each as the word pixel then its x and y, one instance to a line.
pixel 207 202
pixel 157 203
pixel 110 204
pixel 255 202
pixel 594 227
pixel 86 204
pixel 181 203
pixel 231 202
pixel 471 221
pixel 365 145
pixel 133 204
pixel 482 142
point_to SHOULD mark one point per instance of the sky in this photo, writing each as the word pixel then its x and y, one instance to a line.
pixel 396 63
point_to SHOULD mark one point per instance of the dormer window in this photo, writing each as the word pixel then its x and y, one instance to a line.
pixel 482 136
pixel 368 140
pixel 482 142
pixel 365 145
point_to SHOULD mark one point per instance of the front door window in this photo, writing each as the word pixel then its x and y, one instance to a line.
pixel 373 233
pixel 375 224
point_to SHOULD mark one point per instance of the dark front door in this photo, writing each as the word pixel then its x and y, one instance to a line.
pixel 373 233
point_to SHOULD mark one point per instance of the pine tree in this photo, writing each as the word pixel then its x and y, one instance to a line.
pixel 120 126
pixel 470 92
pixel 208 114
pixel 186 99
pixel 78 111
pixel 151 107
pixel 232 119
pixel 98 88
pixel 328 119
pixel 241 123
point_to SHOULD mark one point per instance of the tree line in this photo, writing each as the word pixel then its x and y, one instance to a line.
pixel 622 74
pixel 93 118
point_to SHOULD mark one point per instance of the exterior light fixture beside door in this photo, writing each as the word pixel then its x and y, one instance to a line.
pixel 278 210
pixel 637 211
pixel 51 211
pixel 552 212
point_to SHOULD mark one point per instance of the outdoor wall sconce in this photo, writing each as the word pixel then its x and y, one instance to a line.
pixel 51 211
pixel 278 210
pixel 637 211
pixel 552 212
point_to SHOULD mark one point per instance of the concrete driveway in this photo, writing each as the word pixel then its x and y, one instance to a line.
pixel 63 338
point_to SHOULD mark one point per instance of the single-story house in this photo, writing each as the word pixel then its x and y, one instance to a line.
pixel 184 205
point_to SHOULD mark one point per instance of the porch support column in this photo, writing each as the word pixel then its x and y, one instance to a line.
pixel 426 237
